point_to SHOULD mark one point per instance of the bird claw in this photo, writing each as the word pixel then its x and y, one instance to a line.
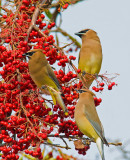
pixel 44 87
pixel 83 73
pixel 87 141
pixel 96 75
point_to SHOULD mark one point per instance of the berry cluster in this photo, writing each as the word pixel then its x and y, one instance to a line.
pixel 97 101
pixel 36 153
pixel 83 151
pixel 101 85
pixel 101 88
pixel 65 77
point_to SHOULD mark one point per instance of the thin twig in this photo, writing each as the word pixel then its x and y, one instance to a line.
pixel 5 9
pixel 116 144
pixel 56 145
pixel 67 147
pixel 64 33
pixel 66 45
pixel 82 138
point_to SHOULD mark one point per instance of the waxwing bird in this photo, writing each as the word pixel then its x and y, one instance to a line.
pixel 43 75
pixel 87 120
pixel 90 56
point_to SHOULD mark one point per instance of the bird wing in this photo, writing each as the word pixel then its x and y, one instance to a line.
pixel 53 76
pixel 95 122
pixel 53 97
pixel 79 57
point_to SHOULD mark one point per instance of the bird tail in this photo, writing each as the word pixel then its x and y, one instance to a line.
pixel 53 97
pixel 60 101
pixel 56 97
pixel 100 147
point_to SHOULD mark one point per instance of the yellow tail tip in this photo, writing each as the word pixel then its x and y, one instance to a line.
pixel 66 113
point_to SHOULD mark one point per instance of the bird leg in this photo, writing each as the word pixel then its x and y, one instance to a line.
pixel 96 75
pixel 44 87
pixel 87 141
pixel 83 73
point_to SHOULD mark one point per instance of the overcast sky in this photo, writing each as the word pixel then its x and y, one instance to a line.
pixel 111 20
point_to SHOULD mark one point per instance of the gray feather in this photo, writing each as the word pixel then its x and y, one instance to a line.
pixel 53 76
pixel 99 129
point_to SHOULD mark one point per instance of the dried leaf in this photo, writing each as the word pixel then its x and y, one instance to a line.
pixel 79 144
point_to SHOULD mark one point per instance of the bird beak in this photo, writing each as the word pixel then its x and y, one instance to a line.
pixel 79 34
pixel 26 55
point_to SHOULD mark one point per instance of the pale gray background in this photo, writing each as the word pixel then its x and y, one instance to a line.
pixel 111 20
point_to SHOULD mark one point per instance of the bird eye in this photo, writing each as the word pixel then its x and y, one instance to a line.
pixel 30 53
pixel 81 91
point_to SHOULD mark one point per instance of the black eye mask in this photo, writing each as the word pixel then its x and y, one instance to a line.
pixel 81 91
pixel 28 54
pixel 81 32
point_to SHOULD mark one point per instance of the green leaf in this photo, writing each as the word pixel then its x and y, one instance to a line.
pixel 0 5
pixel 48 13
pixel 21 158
pixel 29 157
pixel 52 158
pixel 49 141
pixel 43 152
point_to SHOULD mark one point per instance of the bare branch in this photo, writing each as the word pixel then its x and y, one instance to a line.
pixel 64 33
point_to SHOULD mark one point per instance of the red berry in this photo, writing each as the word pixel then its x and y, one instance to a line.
pixel 49 26
pixel 65 6
pixel 93 87
pixel 42 16
pixel 96 89
pixel 78 70
pixel 99 100
pixel 113 83
pixel 109 87
pixel 53 24
pixel 101 84
pixel 101 88
pixel 4 16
